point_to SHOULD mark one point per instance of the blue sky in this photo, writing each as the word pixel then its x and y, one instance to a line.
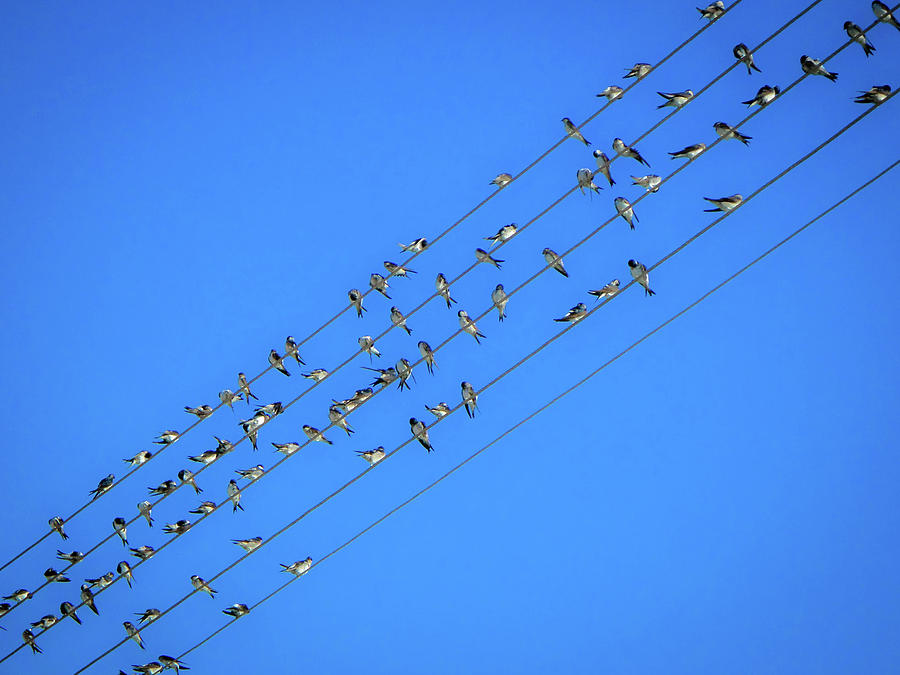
pixel 186 185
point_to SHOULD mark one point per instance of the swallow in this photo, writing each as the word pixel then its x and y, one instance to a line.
pixel 228 397
pixel 45 622
pixel 102 581
pixel 142 457
pixel 638 70
pixel 585 178
pixel 316 375
pixel 361 395
pixel 18 596
pixel 398 319
pixel 713 11
pixel 104 485
pixel 378 282
pixel 612 93
pixel 124 570
pixel 469 326
pixel 398 270
pixel 440 410
pixel 51 575
pixel 179 527
pixel 314 434
pixel 336 417
pixel 28 637
pixel 164 488
pixel 574 315
pixel 500 298
pixel 204 508
pixel 628 151
pixel 151 668
pixel 624 209
pixel 248 545
pixel 371 456
pixel 876 95
pixel 640 275
pixel 148 615
pixel 677 99
pixel 68 609
pixel 420 433
pixel 572 131
pixel 205 457
pixel 502 180
pixel 356 300
pixel 553 259
pixel 427 354
pixel 73 557
pixel 503 235
pixel 726 132
pixel 167 437
pixel 883 13
pixel 173 663
pixel 404 371
pixel 5 607
pixel 650 182
pixel 469 398
pixel 270 409
pixel 237 610
pixel 133 633
pixel 234 494
pixel 443 288
pixel 742 53
pixel 603 166
pixel 224 446
pixel 144 509
pixel 291 348
pixel 483 256
pixel 301 567
pixel 858 36
pixel 143 552
pixel 764 96
pixel 87 598
pixel 607 291
pixel 201 412
pixel 118 524
pixel 689 152
pixel 724 203
pixel 277 362
pixel 251 427
pixel 199 584
pixel 814 67
pixel 252 473
pixel 367 344
pixel 56 524
pixel 187 477
pixel 415 246
pixel 385 377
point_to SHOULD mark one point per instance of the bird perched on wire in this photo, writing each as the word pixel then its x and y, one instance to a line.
pixel 638 71
pixel 380 284
pixel 371 456
pixel 883 13
pixel 443 288
pixel 469 398
pixel 713 11
pixel 301 567
pixel 483 256
pixel 607 291
pixel 140 458
pixel 356 300
pixel 151 668
pixel 124 570
pixel 52 576
pixel 724 203
pixel 415 246
pixel 726 131
pixel 385 376
pixel 201 412
pixel 500 298
pixel 624 209
pixel 573 131
pixel 198 583
pixel 18 596
pixel 173 663
pixel 398 270
pixel 574 315
pixel 314 434
pixel 427 354
pixel 68 609
pixel 187 477
pixel 876 95
pixel 316 375
pixel 336 417
pixel 628 151
pixel 118 524
pixel 743 54
pixel 205 457
pixel 639 274
pixel 764 96
pixel 234 494
pixel 237 610
pixel 552 258
pixel 292 349
pixel 690 152
pixel 28 638
pixel 502 180
pixel 398 319
pixel 104 485
pixel 420 433
pixel 585 178
pixel 440 410
pixel 812 66
pixel 143 552
pixel 87 598
pixel 73 557
pixel 252 425
pixel 650 182
pixel 133 633
pixel 367 344
pixel 205 508
pixel 148 615
pixel 404 372
pixel 603 166
pixel 102 581
pixel 167 437
pixel 277 362
pixel 56 524
pixel 504 234
pixel 248 545
pixel 469 326
pixel 228 397
pixel 612 93
pixel 859 37
pixel 179 527
pixel 676 99
pixel 144 509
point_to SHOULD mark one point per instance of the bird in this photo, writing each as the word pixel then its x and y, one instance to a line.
pixel 713 11
pixel 607 291
pixel 420 433
pixel 404 371
pixel 179 527
pixel 638 70
pixel 356 300
pixel 443 288
pixel 415 246
pixel 858 36
pixel 316 375
pixel 742 53
pixel 336 417
pixel 500 298
pixel 639 274
pixel 205 457
pixel 151 668
pixel 167 437
pixel 603 166
pixel 301 567
pixel 812 66
pixel 73 557
pixel 398 319
pixel 440 410
pixel 202 411
pixel 204 508
pixel 469 398
pixel 186 476
pixel 198 583
pixel 228 397
pixel 277 362
pixel 379 283
pixel 51 575
pixel 245 388
pixel 45 622
pixel 144 508
pixel 367 344
pixel 56 524
pixel 118 524
pixel 427 354
pixel 883 13
pixel 165 488
pixel 764 96
pixel 876 95
pixel 252 425
pixel 469 326
pixel 624 209
pixel 87 598
pixel 28 637
pixel 628 151
pixel 689 152
pixel 140 458
pixel 572 131
pixel 483 256
pixel 173 663
pixel 552 258
pixel 237 610
pixel 252 473
pixel 612 93
pixel 398 270
pixel 503 235
pixel 385 376
pixel 585 178
pixel 124 570
pixel 676 99
pixel 372 456
pixel 148 615
pixel 66 608
pixel 234 494
pixel 248 545
pixel 358 398
pixel 18 596
pixel 724 203
pixel 133 633
pixel 574 315
pixel 502 180
pixel 650 182
pixel 104 485
pixel 726 131
pixel 291 348
pixel 143 552
pixel 102 581
pixel 314 434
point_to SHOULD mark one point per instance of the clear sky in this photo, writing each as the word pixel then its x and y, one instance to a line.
pixel 184 185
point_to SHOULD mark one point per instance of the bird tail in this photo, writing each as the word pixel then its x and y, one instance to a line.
pixel 753 65
pixel 832 76
pixel 649 291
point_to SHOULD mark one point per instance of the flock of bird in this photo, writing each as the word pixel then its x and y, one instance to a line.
pixel 401 372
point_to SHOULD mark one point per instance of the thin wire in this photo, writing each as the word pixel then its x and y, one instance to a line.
pixel 491 383
pixel 550 403
pixel 404 264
